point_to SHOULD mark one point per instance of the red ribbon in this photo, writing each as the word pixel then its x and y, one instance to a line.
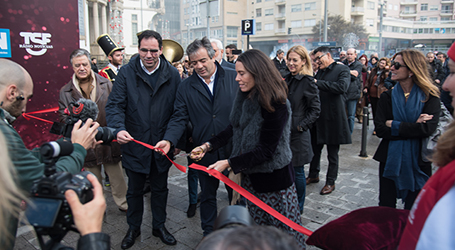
pixel 28 115
pixel 240 190
pixel 213 173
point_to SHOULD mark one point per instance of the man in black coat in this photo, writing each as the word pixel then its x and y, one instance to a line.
pixel 355 86
pixel 140 106
pixel 436 70
pixel 205 99
pixel 331 128
pixel 280 63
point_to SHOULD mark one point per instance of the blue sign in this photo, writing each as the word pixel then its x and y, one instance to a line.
pixel 248 27
pixel 5 43
pixel 443 31
pixel 318 44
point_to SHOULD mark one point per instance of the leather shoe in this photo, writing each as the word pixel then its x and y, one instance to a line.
pixel 191 210
pixel 164 235
pixel 130 237
pixel 312 180
pixel 327 189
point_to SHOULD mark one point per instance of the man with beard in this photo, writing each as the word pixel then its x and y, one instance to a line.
pixel 331 128
pixel 139 107
pixel 86 84
pixel 16 89
pixel 205 99
pixel 114 55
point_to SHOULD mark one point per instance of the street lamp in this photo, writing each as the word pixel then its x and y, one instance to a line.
pixel 380 27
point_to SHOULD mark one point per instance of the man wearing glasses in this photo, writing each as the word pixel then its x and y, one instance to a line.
pixel 139 107
pixel 331 128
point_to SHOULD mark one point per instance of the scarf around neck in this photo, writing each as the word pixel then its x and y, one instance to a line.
pixel 402 158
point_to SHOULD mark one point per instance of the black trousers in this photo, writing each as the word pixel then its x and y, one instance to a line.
pixel 135 197
pixel 332 156
pixel 388 190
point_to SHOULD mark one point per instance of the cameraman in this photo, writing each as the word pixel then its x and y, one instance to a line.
pixel 16 88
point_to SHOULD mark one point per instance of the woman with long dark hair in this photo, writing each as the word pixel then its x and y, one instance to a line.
pixel 405 116
pixel 304 98
pixel 260 133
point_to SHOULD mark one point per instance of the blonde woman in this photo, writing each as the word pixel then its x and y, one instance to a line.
pixel 405 115
pixel 303 95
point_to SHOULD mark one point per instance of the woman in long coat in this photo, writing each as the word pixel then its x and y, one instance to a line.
pixel 303 95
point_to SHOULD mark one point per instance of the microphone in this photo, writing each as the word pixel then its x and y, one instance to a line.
pixel 56 149
pixel 82 110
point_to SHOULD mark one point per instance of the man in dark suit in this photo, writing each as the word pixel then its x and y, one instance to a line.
pixel 353 94
pixel 331 128
pixel 280 63
pixel 219 51
pixel 205 99
pixel 140 106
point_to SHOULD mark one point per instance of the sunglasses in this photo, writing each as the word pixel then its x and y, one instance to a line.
pixel 152 51
pixel 398 65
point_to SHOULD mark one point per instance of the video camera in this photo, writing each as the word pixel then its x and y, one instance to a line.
pixel 49 212
pixel 82 110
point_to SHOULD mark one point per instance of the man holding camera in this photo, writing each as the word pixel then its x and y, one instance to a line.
pixel 86 84
pixel 16 88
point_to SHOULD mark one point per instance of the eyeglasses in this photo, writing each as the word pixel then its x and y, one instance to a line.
pixel 319 57
pixel 186 61
pixel 152 51
pixel 398 65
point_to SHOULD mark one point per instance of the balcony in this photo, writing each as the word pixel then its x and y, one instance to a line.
pixel 280 2
pixel 410 13
pixel 446 12
pixel 280 31
pixel 280 16
pixel 446 1
pixel 409 2
pixel 357 11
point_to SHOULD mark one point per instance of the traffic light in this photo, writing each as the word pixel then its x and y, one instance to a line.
pixel 289 31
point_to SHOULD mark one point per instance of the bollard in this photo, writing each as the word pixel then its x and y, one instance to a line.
pixel 363 150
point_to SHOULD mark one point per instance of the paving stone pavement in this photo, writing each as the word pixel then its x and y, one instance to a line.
pixel 356 187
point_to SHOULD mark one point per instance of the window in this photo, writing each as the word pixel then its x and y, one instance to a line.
pixel 232 31
pixel 309 22
pixel 423 18
pixel 434 7
pixel 445 18
pixel 296 8
pixel 424 6
pixel 370 22
pixel 395 7
pixel 268 12
pixel 296 24
pixel 258 12
pixel 433 19
pixel 310 6
pixel 390 6
pixel 370 5
pixel 268 26
pixel 258 26
pixel 258 1
pixel 232 13
pixel 134 28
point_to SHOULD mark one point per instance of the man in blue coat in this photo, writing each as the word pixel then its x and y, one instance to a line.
pixel 205 99
pixel 140 106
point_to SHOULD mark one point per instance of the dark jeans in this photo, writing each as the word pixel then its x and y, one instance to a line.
pixel 135 198
pixel 209 186
pixel 350 108
pixel 388 190
pixel 332 156
pixel 192 185
pixel 300 185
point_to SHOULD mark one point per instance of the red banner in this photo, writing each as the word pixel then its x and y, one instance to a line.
pixel 42 34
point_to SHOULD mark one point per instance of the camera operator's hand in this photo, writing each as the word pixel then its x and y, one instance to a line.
pixel 88 217
pixel 123 137
pixel 85 135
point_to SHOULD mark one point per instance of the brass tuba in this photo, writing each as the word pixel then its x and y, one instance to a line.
pixel 172 50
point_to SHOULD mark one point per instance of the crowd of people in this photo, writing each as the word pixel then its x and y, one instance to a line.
pixel 256 120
